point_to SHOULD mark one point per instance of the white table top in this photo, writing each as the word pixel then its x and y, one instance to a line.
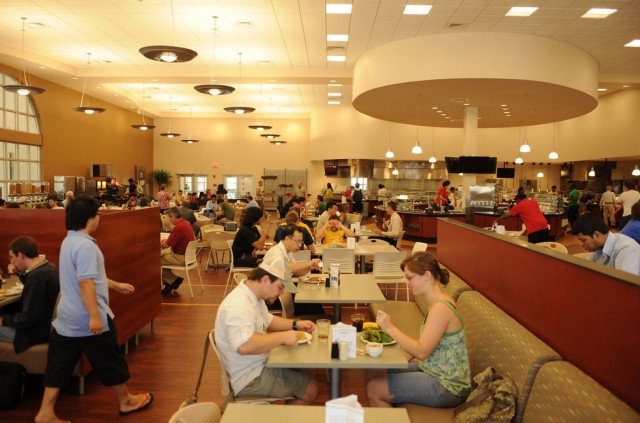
pixel 317 355
pixel 10 283
pixel 359 288
pixel 362 249
pixel 236 412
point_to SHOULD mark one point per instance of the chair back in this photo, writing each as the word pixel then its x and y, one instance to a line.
pixel 218 240
pixel 230 245
pixel 200 412
pixel 205 231
pixel 302 256
pixel 166 223
pixel 239 277
pixel 190 254
pixel 354 218
pixel 225 381
pixel 286 299
pixel 373 241
pixel 582 255
pixel 387 264
pixel 399 240
pixel 345 257
pixel 419 247
pixel 554 246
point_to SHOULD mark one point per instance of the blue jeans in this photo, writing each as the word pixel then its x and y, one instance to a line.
pixel 414 386
pixel 7 334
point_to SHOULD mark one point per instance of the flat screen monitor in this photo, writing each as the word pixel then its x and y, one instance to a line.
pixel 453 164
pixel 330 167
pixel 478 164
pixel 506 172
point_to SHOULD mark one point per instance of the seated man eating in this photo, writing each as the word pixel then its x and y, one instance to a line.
pixel 334 232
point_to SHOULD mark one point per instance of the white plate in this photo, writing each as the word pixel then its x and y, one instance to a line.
pixel 12 292
pixel 370 342
pixel 307 336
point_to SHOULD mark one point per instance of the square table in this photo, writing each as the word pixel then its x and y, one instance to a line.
pixel 354 289
pixel 238 412
pixel 362 251
pixel 317 355
pixel 10 283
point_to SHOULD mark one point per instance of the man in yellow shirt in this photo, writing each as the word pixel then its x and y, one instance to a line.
pixel 334 232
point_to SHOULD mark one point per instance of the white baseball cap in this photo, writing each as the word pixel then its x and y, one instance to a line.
pixel 275 266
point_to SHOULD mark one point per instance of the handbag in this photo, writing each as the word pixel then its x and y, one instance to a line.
pixel 492 400
pixel 192 399
pixel 13 381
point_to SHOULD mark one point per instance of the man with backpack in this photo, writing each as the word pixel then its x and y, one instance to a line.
pixel 357 196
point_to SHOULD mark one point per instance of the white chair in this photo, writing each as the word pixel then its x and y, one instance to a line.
pixel 200 412
pixel 345 257
pixel 233 269
pixel 419 247
pixel 166 223
pixel 190 262
pixel 386 269
pixel 399 240
pixel 584 256
pixel 225 382
pixel 554 246
pixel 288 309
pixel 204 243
pixel 218 244
pixel 302 256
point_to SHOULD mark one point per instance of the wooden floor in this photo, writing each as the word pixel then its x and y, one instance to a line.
pixel 166 362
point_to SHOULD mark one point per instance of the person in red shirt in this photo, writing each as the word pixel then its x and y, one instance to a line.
pixel 181 235
pixel 442 199
pixel 532 217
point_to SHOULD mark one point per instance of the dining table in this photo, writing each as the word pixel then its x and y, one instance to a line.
pixel 317 355
pixel 11 290
pixel 239 412
pixel 353 289
pixel 362 251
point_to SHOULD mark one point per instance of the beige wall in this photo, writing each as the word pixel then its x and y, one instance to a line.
pixel 72 141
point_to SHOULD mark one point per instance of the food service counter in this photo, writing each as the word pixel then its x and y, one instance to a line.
pixel 418 224
pixel 514 223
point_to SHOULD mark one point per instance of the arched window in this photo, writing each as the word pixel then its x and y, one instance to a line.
pixel 20 166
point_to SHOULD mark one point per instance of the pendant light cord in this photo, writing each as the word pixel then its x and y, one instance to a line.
pixel 24 68
pixel 84 87
pixel 173 24
pixel 215 29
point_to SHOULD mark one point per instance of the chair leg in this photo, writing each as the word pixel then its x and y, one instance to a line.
pixel 226 287
pixel 189 281
pixel 200 277
pixel 396 298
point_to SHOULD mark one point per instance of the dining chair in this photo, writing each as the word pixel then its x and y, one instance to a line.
pixel 554 246
pixel 419 247
pixel 399 240
pixel 233 269
pixel 345 257
pixel 302 256
pixel 584 256
pixel 166 223
pixel 386 269
pixel 288 309
pixel 200 412
pixel 218 244
pixel 225 382
pixel 204 243
pixel 190 262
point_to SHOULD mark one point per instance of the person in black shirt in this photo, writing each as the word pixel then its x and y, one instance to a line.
pixel 248 240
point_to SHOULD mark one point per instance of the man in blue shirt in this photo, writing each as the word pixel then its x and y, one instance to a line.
pixel 84 322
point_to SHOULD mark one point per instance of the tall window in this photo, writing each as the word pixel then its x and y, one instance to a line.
pixel 16 111
pixel 362 181
pixel 238 186
pixel 20 169
pixel 192 183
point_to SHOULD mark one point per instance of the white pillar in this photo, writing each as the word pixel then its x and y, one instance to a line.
pixel 469 146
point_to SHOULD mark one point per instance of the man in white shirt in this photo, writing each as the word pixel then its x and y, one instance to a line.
pixel 607 202
pixel 608 248
pixel 627 199
pixel 252 202
pixel 391 228
pixel 382 193
pixel 246 332
pixel 260 194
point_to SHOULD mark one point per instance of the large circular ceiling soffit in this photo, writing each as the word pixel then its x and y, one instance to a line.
pixel 537 80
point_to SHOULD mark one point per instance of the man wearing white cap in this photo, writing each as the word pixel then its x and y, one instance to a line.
pixel 246 332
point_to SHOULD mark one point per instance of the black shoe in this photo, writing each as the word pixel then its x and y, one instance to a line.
pixel 166 289
pixel 176 283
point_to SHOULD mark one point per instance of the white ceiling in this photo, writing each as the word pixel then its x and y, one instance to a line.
pixel 284 49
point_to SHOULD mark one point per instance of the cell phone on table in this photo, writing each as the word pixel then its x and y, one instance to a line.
pixel 6 276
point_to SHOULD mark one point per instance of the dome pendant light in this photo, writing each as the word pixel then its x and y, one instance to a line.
pixel 190 140
pixel 258 126
pixel 636 171
pixel 554 155
pixel 518 159
pixel 85 109
pixel 592 172
pixel 540 174
pixel 433 159
pixel 214 89
pixel 144 126
pixel 169 54
pixel 389 154
pixel 169 134
pixel 416 148
pixel 525 148
pixel 395 171
pixel 25 89
pixel 239 110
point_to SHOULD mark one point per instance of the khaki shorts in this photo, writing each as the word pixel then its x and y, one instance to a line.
pixel 277 383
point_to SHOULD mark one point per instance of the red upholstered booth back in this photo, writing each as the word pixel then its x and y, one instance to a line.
pixel 587 312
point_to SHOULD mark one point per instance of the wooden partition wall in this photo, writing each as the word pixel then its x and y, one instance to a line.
pixel 587 312
pixel 130 244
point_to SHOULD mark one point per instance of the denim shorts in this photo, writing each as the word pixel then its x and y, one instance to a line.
pixel 414 386
pixel 277 383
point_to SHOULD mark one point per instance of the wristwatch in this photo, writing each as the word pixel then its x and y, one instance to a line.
pixel 294 326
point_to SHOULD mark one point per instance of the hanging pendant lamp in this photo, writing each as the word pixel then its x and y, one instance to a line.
pixel 190 140
pixel 259 126
pixel 525 147
pixel 25 89
pixel 169 54
pixel 214 89
pixel 240 110
pixel 170 134
pixel 433 159
pixel 389 154
pixel 85 109
pixel 416 148
pixel 144 126
pixel 554 155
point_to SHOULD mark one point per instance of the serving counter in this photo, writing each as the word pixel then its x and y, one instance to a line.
pixel 418 224
pixel 514 223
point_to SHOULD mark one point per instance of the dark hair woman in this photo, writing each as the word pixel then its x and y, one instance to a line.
pixel 248 240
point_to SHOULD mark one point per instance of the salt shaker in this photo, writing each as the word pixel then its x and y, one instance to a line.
pixel 344 349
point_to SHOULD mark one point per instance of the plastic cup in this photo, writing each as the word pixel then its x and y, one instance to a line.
pixel 322 328
pixel 357 320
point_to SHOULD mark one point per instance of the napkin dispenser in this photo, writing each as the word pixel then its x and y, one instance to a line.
pixel 231 226
pixel 347 333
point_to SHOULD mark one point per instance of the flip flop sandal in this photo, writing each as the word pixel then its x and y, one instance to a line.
pixel 146 402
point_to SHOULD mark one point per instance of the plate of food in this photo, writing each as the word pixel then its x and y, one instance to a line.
pixel 377 336
pixel 315 279
pixel 10 292
pixel 304 337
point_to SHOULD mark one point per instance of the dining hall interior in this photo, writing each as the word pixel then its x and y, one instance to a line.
pixel 368 91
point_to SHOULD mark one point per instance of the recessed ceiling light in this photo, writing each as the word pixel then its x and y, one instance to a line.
pixel 42 67
pixel 625 86
pixel 596 13
pixel 333 102
pixel 74 77
pixel 334 94
pixel 634 43
pixel 336 58
pixel 243 24
pixel 434 108
pixel 154 80
pixel 465 104
pixel 104 62
pixel 417 9
pixel 521 11
pixel 337 37
pixel 338 9
pixel 334 85
pixel 36 25
pixel 503 105
pixel 602 89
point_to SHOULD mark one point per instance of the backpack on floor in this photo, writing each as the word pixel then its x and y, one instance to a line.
pixel 13 380
pixel 493 399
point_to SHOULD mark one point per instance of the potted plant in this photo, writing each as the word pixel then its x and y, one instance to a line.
pixel 161 177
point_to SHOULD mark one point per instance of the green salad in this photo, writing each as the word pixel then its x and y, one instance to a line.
pixel 376 335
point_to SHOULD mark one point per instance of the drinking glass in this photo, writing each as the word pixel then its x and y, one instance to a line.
pixel 357 319
pixel 322 327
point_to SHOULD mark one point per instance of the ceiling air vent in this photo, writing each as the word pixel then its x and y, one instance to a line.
pixel 457 26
